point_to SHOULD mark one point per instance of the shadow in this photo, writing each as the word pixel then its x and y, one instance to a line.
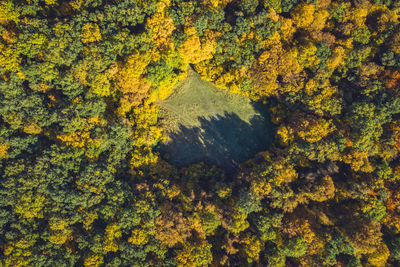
pixel 223 140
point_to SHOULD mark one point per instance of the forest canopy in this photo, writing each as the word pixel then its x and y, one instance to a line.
pixel 82 182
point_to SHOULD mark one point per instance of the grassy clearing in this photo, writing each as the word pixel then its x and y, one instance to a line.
pixel 205 123
pixel 195 98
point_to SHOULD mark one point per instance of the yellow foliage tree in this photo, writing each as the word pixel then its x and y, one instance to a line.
pixel 15 120
pixel 323 191
pixel 8 13
pixel 209 70
pixel 238 223
pixel 173 191
pixel 319 92
pixel 319 23
pixel 303 15
pixel 284 172
pixel 90 33
pixel 88 218
pixel 75 139
pixel 172 227
pixel 83 138
pixel 50 2
pixel 359 15
pixel 76 4
pixel 31 205
pixel 314 243
pixel 9 58
pixel 194 255
pixel 146 134
pixel 217 3
pixel 60 231
pixel 112 233
pixel 307 55
pixel 138 237
pixel 320 18
pixel 261 187
pixel 161 25
pixel 193 51
pixel 145 120
pixel 285 134
pixel 131 83
pixel 9 36
pixel 273 41
pixel 272 63
pixel 252 247
pixel 143 156
pixel 32 128
pixel 380 256
pixel 314 132
pixel 337 58
pixel 101 85
pixel 287 28
pixel 264 73
pixel 93 260
pixel 358 161
pixel 3 150
pixel 18 253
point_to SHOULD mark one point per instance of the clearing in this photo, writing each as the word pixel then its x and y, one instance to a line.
pixel 205 123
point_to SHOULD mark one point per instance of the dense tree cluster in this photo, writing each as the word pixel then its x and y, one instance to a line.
pixel 81 183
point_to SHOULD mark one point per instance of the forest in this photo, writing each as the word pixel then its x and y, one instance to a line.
pixel 82 180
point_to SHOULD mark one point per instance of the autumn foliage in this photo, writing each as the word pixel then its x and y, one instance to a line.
pixel 82 182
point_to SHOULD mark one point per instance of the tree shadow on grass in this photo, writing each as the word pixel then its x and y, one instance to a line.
pixel 223 140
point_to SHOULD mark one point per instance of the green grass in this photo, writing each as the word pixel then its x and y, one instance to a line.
pixel 207 123
pixel 195 98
